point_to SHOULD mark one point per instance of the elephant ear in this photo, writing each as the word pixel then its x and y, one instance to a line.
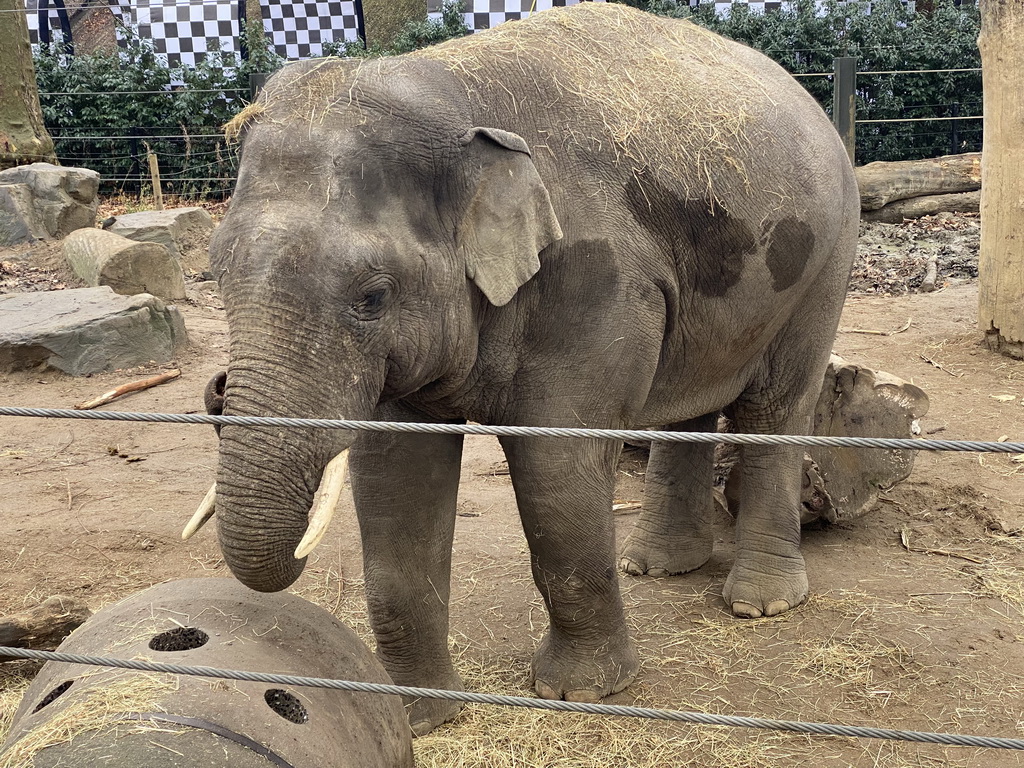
pixel 509 219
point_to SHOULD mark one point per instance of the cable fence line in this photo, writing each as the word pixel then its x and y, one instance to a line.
pixel 169 91
pixel 914 444
pixel 921 119
pixel 614 710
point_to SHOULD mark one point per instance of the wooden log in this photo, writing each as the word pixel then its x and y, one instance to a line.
pixel 129 267
pixel 881 183
pixel 842 483
pixel 45 626
pixel 860 402
pixel 916 207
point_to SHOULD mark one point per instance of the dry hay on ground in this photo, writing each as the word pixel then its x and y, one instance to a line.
pixel 123 694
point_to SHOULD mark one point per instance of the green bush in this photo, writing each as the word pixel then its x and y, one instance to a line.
pixel 110 99
pixel 806 37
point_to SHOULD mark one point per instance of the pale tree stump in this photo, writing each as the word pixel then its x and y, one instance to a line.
pixel 844 483
pixel 45 626
pixel 129 267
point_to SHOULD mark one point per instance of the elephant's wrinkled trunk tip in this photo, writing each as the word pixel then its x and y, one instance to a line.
pixel 328 496
pixel 206 509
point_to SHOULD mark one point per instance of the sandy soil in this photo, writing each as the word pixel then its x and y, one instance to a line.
pixel 916 618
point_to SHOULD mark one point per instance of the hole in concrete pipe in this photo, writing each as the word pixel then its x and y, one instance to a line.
pixel 53 695
pixel 286 705
pixel 179 639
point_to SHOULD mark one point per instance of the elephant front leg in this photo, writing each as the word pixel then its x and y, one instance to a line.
pixel 674 533
pixel 405 488
pixel 564 490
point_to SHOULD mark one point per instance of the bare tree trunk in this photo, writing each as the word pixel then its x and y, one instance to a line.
pixel 1001 263
pixel 23 137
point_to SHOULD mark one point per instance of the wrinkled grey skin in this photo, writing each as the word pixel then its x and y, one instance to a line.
pixel 378 261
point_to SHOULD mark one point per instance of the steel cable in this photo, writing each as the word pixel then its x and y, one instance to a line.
pixel 697 718
pixel 891 443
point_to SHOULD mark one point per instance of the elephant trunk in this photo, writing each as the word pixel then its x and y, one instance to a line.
pixel 266 482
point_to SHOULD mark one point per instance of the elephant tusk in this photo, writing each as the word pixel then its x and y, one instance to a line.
pixel 206 509
pixel 328 496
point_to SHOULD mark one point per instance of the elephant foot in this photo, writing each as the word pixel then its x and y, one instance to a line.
pixel 766 585
pixel 655 555
pixel 564 670
pixel 426 714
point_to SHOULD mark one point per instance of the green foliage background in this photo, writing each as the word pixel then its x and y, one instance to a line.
pixel 884 36
pixel 177 111
pixel 134 93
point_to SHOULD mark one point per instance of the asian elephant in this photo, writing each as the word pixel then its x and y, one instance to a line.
pixel 594 216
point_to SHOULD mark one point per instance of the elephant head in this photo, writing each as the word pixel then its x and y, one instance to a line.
pixel 371 228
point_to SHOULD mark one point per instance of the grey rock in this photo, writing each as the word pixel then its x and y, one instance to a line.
pixel 183 231
pixel 42 201
pixel 86 330
pixel 127 266
pixel 17 225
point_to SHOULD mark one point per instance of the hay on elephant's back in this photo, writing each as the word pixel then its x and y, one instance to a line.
pixel 670 95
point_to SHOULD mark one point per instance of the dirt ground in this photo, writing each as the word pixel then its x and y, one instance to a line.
pixel 916 618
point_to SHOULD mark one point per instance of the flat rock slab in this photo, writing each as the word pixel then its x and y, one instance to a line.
pixel 43 201
pixel 86 330
pixel 185 232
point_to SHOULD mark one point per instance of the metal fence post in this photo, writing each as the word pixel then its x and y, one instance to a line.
pixel 844 102
pixel 257 81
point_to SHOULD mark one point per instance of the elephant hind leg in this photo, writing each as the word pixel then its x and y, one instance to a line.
pixel 673 533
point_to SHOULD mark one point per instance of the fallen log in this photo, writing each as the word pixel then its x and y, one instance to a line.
pixel 916 207
pixel 882 183
pixel 45 626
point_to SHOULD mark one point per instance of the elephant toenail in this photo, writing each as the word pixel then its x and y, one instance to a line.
pixel 583 697
pixel 745 611
pixel 545 691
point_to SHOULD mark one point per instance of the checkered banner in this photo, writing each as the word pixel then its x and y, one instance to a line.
pixel 52 21
pixel 485 14
pixel 299 28
pixel 185 31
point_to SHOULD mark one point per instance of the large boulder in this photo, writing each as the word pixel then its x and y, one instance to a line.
pixel 86 330
pixel 185 232
pixel 43 201
pixel 128 266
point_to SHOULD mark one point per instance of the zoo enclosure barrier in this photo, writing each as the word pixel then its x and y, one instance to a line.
pixel 610 710
pixel 696 718
pixel 198 162
pixel 844 105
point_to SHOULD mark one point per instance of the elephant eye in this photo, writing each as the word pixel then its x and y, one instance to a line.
pixel 372 304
